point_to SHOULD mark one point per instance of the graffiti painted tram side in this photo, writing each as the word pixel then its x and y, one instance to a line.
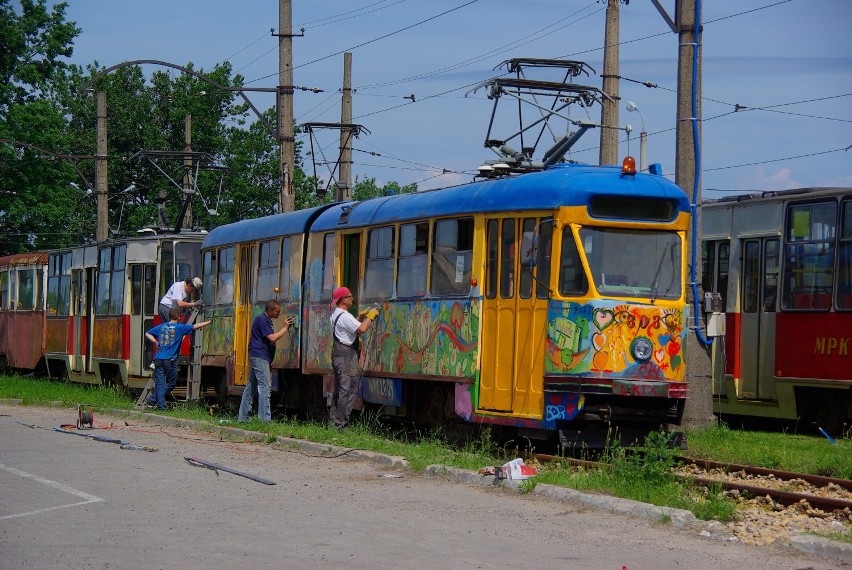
pixel 548 303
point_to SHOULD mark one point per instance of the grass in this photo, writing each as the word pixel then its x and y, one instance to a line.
pixel 642 476
pixel 801 453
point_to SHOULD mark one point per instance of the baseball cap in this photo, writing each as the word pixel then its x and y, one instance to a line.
pixel 339 293
pixel 196 282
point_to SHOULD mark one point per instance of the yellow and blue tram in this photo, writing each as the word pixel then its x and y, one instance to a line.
pixel 554 300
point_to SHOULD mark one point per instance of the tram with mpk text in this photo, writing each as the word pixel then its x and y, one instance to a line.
pixel 782 262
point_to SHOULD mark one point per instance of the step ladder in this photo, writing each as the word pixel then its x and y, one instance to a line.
pixel 194 376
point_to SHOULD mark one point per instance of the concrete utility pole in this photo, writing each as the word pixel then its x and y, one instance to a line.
pixel 187 168
pixel 287 199
pixel 101 187
pixel 609 108
pixel 344 182
pixel 699 405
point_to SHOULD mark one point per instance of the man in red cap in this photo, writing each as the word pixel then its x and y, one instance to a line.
pixel 345 329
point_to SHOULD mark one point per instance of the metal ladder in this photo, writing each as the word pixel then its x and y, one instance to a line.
pixel 194 377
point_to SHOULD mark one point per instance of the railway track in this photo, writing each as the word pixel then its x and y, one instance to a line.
pixel 827 494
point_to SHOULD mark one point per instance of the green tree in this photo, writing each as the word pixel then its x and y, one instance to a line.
pixel 34 211
pixel 367 188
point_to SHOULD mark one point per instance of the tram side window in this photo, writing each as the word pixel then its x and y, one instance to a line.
pixel 26 289
pixel 59 284
pixel 13 289
pixel 542 266
pixel 4 290
pixel 225 277
pixel 267 272
pixel 186 260
pixel 572 278
pixel 104 274
pixel 208 269
pixel 413 259
pixel 751 276
pixel 110 293
pixel 771 258
pixel 378 273
pixel 284 280
pixel 507 259
pixel 493 240
pixel 844 254
pixel 452 256
pixel 328 266
pixel 809 247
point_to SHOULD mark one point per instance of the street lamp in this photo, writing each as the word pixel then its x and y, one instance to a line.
pixel 643 138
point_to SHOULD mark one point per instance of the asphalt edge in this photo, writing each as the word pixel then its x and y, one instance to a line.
pixel 680 519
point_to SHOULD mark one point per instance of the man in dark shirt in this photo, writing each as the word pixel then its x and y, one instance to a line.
pixel 261 352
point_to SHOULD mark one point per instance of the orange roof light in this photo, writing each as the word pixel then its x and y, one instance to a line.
pixel 629 165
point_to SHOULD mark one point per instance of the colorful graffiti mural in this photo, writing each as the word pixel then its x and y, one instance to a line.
pixel 596 338
pixel 436 338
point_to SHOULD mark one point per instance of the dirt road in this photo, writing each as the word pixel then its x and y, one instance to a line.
pixel 73 502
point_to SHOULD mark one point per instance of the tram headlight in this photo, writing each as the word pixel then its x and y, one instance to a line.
pixel 641 348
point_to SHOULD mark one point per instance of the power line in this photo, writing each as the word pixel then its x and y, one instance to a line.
pixel 347 15
pixel 373 40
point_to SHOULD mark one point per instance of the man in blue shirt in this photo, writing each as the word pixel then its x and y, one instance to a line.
pixel 261 352
pixel 167 337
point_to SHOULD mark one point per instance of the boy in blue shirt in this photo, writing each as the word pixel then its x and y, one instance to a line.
pixel 167 337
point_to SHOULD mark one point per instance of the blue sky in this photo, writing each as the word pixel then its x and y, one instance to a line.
pixel 789 62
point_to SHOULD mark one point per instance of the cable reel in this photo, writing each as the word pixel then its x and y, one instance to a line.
pixel 85 416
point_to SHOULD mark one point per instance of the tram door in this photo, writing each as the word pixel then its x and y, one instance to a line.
pixel 757 317
pixel 514 316
pixel 143 301
pixel 243 313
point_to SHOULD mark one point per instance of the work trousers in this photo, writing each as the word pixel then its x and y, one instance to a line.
pixel 347 382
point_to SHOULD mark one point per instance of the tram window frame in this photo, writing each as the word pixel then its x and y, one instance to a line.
pixel 452 237
pixel 186 254
pixel 810 236
pixel 4 290
pixel 167 266
pixel 508 228
pixel 771 274
pixel 751 275
pixel 13 289
pixel 136 280
pixel 208 270
pixel 527 252
pixel 492 240
pixel 268 271
pixel 109 296
pixel 379 264
pixel 59 284
pixel 286 250
pixel 544 257
pixel 26 289
pixel 225 261
pixel 328 245
pixel 578 283
pixel 413 260
pixel 843 290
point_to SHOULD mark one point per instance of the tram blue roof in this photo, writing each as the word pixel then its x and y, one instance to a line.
pixel 560 185
pixel 261 228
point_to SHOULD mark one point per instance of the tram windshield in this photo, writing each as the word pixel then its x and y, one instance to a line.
pixel 633 263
